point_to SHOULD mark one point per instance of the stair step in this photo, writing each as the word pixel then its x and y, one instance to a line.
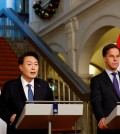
pixel 9 68
pixel 6 51
pixel 3 40
pixel 4 43
pixel 3 48
pixel 8 63
pixel 12 55
pixel 6 78
pixel 1 37
pixel 9 73
pixel 6 59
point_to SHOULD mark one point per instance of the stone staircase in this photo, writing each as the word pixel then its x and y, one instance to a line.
pixel 8 62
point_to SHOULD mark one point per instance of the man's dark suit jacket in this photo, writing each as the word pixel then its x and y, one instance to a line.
pixel 103 96
pixel 13 98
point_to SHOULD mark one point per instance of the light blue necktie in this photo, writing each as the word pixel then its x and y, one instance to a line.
pixel 115 83
pixel 30 93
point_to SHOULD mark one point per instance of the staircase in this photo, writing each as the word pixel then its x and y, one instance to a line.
pixel 9 68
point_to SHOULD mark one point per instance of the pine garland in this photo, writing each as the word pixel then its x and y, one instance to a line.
pixel 48 11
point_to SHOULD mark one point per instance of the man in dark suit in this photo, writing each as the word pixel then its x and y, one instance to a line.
pixel 15 92
pixel 104 96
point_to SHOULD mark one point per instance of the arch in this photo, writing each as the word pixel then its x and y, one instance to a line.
pixel 59 49
pixel 93 33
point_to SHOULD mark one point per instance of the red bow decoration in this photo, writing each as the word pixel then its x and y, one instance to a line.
pixel 118 41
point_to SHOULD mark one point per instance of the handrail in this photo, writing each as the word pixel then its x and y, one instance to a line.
pixel 69 76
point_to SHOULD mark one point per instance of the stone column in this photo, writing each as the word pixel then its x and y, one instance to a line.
pixel 71 27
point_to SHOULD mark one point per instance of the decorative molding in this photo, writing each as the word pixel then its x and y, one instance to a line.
pixel 69 27
pixel 75 23
pixel 65 17
pixel 72 25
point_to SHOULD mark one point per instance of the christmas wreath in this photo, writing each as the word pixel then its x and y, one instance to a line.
pixel 46 12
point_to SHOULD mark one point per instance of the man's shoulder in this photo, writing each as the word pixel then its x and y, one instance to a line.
pixel 100 75
pixel 39 80
pixel 12 82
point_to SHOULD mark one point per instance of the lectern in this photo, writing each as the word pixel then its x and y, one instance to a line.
pixel 3 127
pixel 51 115
pixel 113 120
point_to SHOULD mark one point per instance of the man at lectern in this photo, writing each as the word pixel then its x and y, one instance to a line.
pixel 105 89
pixel 16 92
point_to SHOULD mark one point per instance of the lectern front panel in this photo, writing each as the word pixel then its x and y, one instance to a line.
pixel 38 116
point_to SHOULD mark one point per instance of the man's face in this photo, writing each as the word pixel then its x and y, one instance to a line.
pixel 29 68
pixel 112 59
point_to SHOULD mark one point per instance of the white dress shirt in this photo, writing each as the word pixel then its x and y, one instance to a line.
pixel 25 87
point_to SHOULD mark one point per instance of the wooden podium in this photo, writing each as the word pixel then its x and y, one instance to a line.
pixel 43 115
pixel 113 119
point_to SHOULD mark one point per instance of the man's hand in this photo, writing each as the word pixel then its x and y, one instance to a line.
pixel 12 118
pixel 102 124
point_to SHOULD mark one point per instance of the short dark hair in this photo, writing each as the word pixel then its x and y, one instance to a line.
pixel 29 53
pixel 108 47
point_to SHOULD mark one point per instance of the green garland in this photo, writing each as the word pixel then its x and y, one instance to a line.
pixel 47 12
